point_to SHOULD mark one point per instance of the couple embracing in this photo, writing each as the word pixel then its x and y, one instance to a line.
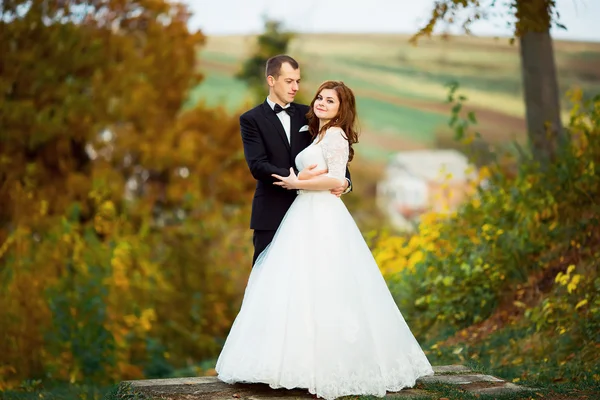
pixel 317 313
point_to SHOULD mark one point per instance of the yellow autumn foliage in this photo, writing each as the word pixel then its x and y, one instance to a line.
pixel 512 243
pixel 124 240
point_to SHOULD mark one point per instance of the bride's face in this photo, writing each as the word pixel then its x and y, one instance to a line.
pixel 327 105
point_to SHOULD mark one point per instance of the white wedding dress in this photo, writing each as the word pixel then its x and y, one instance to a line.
pixel 317 313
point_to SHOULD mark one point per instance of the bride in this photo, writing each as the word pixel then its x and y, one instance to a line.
pixel 317 314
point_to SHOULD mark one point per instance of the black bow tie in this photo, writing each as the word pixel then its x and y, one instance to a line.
pixel 289 110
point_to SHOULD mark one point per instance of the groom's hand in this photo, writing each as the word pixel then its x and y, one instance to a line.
pixel 310 172
pixel 287 182
pixel 339 191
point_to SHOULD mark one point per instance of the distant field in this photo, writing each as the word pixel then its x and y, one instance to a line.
pixel 220 89
pixel 401 88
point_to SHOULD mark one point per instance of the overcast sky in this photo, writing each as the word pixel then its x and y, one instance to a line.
pixel 222 17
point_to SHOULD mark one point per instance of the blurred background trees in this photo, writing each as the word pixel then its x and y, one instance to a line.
pixel 273 41
pixel 113 199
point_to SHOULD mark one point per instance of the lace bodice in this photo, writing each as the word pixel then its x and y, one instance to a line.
pixel 331 153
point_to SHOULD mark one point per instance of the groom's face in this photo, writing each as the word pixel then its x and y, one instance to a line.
pixel 285 86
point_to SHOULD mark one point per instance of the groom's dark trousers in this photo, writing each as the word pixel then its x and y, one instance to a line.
pixel 261 240
pixel 268 151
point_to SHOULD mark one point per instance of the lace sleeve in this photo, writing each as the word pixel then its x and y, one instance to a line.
pixel 336 151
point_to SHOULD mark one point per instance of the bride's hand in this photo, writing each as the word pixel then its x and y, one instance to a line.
pixel 287 182
pixel 310 172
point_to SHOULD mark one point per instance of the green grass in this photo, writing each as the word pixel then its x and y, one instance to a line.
pixel 125 392
pixel 63 391
pixel 58 391
pixel 219 57
pixel 220 89
pixel 394 120
pixel 373 153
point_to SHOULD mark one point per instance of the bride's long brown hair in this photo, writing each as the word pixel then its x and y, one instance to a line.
pixel 345 118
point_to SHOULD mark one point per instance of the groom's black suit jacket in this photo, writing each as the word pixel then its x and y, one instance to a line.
pixel 267 152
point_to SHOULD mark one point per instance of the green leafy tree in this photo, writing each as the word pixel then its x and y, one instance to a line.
pixel 273 41
pixel 534 18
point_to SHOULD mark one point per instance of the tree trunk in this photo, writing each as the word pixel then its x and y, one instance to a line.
pixel 540 83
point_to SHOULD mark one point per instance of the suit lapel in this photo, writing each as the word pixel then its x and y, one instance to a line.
pixel 274 120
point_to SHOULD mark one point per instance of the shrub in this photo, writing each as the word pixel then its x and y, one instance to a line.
pixel 526 245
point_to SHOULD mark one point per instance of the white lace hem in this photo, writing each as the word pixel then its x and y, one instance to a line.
pixel 343 382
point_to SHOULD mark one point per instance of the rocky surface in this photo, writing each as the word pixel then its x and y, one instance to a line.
pixel 210 388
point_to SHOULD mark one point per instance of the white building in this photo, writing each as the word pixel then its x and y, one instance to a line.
pixel 422 180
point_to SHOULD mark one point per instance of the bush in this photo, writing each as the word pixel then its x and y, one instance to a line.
pixel 524 251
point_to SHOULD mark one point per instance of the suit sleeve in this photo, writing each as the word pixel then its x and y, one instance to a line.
pixel 349 178
pixel 256 154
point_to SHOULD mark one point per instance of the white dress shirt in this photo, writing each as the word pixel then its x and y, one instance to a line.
pixel 284 117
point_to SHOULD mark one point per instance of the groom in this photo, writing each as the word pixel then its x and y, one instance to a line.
pixel 273 133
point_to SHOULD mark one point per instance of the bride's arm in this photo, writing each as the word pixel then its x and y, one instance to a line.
pixel 321 182
pixel 336 151
pixel 310 172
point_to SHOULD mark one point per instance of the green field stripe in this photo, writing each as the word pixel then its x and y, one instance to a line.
pixel 218 57
pixel 357 84
pixel 220 89
pixel 373 153
pixel 509 84
pixel 398 121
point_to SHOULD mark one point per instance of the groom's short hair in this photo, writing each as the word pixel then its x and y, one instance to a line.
pixel 274 64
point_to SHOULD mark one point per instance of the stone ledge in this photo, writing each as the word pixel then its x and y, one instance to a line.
pixel 459 379
pixel 210 388
pixel 450 369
